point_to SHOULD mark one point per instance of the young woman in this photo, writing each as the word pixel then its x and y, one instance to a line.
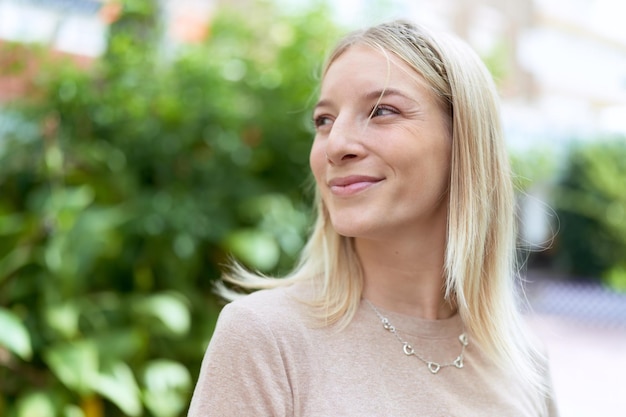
pixel 403 303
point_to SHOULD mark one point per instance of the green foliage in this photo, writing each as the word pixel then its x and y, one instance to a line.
pixel 14 336
pixel 532 167
pixel 591 205
pixel 124 189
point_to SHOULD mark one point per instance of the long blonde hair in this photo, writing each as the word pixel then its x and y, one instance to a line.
pixel 480 251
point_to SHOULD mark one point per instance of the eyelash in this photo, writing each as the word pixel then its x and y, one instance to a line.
pixel 319 120
pixel 383 107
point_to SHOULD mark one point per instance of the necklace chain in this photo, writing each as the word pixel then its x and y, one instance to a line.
pixel 408 349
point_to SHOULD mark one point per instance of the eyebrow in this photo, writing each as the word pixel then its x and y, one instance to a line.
pixel 372 95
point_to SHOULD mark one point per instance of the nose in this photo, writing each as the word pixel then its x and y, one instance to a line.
pixel 344 142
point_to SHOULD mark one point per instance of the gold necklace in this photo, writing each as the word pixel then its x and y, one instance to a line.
pixel 408 350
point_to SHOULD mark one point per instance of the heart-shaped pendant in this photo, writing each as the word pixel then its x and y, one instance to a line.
pixel 434 367
pixel 458 362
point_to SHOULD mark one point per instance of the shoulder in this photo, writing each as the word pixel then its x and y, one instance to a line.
pixel 250 332
pixel 265 311
pixel 245 370
pixel 265 300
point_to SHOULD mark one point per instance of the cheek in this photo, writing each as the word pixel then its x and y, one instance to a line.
pixel 317 160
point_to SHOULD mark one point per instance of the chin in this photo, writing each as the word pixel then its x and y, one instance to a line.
pixel 352 228
pixel 344 228
pixel 355 222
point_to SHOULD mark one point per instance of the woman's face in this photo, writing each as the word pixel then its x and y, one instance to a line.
pixel 387 174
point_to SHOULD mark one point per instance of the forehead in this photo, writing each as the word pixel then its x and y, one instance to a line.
pixel 365 67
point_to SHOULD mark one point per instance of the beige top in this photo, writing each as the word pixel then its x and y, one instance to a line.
pixel 265 359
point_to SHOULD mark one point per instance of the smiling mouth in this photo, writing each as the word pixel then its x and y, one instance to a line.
pixel 347 186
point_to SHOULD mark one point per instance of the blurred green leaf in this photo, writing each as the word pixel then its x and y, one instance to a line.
pixel 170 309
pixel 63 318
pixel 118 384
pixel 75 364
pixel 14 335
pixel 256 248
pixel 167 383
pixel 36 404
pixel 72 410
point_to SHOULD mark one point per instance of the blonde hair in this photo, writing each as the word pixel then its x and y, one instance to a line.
pixel 480 250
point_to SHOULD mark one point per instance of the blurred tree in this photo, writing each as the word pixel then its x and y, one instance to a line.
pixel 591 206
pixel 124 188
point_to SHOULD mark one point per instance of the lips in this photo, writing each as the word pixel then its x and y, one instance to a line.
pixel 345 186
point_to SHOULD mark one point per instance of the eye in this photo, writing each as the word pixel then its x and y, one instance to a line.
pixel 383 110
pixel 321 121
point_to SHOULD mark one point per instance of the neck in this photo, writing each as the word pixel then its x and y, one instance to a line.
pixel 405 276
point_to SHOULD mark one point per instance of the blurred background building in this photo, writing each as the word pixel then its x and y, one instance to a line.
pixel 562 62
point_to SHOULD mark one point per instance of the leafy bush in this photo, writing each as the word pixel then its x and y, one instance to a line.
pixel 591 206
pixel 124 188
